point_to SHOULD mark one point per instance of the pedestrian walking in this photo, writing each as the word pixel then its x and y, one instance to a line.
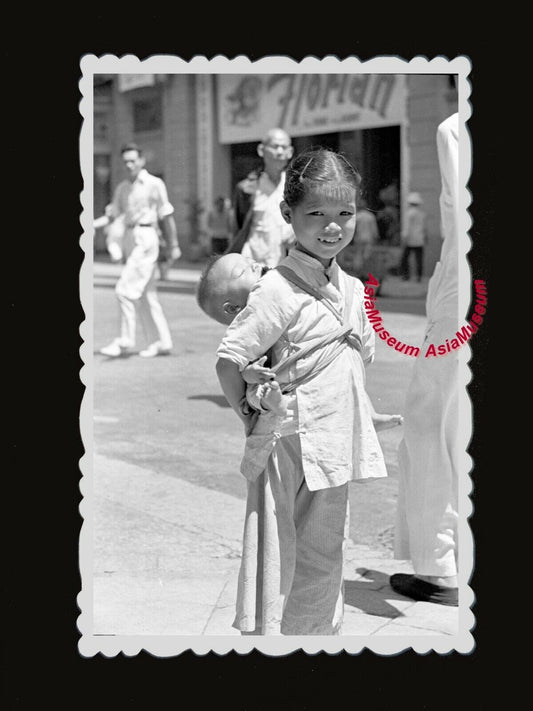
pixel 414 237
pixel 263 235
pixel 291 575
pixel 141 201
pixel 427 510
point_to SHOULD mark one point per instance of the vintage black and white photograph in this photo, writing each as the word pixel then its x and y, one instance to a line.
pixel 279 313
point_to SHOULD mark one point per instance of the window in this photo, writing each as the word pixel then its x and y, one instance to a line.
pixel 148 114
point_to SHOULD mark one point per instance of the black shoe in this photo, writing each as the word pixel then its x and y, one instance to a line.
pixel 417 589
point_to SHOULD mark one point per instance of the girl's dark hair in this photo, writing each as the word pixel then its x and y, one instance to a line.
pixel 319 169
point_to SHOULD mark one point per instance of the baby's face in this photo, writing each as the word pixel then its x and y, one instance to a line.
pixel 237 276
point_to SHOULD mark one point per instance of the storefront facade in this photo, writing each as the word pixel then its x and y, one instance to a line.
pixel 200 133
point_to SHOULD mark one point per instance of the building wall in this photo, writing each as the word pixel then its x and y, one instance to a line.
pixel 179 152
pixel 221 157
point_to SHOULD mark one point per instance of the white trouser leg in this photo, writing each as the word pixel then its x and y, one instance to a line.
pixel 153 319
pixel 291 575
pixel 127 321
pixel 427 514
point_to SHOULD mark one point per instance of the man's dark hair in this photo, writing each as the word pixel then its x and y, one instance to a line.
pixel 131 147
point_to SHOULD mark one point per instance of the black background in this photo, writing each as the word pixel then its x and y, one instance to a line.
pixel 41 663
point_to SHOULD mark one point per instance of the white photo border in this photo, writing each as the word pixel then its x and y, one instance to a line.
pixel 164 646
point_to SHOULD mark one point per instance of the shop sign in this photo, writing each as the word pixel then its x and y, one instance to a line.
pixel 307 104
pixel 126 82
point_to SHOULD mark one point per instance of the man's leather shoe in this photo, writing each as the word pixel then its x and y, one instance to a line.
pixel 413 587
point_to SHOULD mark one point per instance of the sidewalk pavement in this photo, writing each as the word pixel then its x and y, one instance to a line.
pixel 166 554
pixel 183 277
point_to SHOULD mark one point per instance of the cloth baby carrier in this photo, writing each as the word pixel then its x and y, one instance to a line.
pixel 342 336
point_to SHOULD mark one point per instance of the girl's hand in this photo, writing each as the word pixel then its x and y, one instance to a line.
pixel 256 373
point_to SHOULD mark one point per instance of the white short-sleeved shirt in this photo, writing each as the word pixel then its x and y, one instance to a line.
pixel 143 201
pixel 331 412
pixel 415 230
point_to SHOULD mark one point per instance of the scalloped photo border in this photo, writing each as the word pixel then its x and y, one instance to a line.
pixel 164 646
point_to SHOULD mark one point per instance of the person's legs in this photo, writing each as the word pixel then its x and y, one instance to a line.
pixel 134 278
pixel 404 263
pixel 127 318
pixel 419 257
pixel 316 601
pixel 153 319
pixel 127 321
pixel 427 514
pixel 291 575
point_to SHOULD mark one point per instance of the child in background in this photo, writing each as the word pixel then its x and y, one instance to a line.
pixel 291 576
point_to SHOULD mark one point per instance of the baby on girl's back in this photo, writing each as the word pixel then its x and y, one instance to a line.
pixel 222 293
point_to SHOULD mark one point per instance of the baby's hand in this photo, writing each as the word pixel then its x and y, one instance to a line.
pixel 256 373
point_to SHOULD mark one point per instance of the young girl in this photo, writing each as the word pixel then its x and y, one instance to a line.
pixel 291 577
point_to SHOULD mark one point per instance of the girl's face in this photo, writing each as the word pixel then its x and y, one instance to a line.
pixel 323 225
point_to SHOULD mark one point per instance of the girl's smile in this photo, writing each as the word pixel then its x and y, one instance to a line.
pixel 323 225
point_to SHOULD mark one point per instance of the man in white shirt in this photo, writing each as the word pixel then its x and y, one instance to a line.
pixel 264 236
pixel 141 201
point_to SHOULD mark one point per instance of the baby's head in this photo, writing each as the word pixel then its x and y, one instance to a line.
pixel 225 284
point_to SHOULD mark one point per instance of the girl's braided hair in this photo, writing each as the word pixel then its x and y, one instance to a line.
pixel 320 169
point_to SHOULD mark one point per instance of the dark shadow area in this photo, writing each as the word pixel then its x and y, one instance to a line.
pixel 372 593
pixel 219 400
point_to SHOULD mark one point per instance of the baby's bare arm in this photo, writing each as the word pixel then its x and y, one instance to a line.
pixel 234 389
